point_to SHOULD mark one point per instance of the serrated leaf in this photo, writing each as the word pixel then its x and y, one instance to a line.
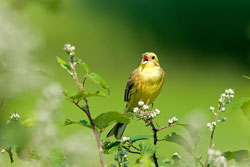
pixel 98 80
pixel 84 66
pixel 194 133
pixel 105 119
pixel 238 103
pixel 138 138
pixel 246 109
pixel 178 139
pixel 63 64
pixel 147 148
pixel 81 122
pixel 238 156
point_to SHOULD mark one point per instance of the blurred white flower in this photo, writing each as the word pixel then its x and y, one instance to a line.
pixel 136 109
pixel 211 108
pixel 125 139
pixel 214 123
pixel 15 116
pixel 157 111
pixel 140 103
pixel 145 107
pixel 173 120
pixel 216 159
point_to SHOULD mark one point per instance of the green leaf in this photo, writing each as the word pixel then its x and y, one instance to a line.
pixel 63 64
pixel 147 148
pixel 81 122
pixel 237 104
pixel 98 80
pixel 107 146
pixel 178 139
pixel 238 156
pixel 194 133
pixel 246 109
pixel 246 77
pixel 138 138
pixel 84 66
pixel 81 94
pixel 105 119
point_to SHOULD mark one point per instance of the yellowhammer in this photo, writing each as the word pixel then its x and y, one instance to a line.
pixel 144 84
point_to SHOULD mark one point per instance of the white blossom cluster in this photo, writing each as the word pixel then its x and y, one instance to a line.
pixel 225 98
pixel 216 159
pixel 70 49
pixel 172 120
pixel 125 139
pixel 13 117
pixel 143 113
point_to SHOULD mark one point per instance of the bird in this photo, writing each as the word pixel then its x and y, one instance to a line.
pixel 144 84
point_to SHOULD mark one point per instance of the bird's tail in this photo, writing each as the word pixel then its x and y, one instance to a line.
pixel 117 130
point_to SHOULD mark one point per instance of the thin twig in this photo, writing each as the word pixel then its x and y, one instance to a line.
pixel 212 136
pixel 164 127
pixel 197 159
pixel 130 151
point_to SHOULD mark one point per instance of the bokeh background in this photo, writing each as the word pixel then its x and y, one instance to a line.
pixel 203 46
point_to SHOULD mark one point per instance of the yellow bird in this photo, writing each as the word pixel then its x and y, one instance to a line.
pixel 144 84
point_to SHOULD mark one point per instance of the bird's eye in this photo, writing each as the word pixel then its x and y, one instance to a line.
pixel 153 57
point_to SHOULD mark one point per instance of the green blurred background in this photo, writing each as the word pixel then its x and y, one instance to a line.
pixel 203 46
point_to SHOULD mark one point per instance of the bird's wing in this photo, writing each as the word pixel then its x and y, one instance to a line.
pixel 129 86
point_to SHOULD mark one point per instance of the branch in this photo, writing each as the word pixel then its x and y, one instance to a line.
pixel 93 129
pixel 8 150
pixel 155 142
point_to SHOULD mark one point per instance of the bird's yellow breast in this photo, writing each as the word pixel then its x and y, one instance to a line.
pixel 148 84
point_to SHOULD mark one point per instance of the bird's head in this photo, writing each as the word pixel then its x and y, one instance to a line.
pixel 149 59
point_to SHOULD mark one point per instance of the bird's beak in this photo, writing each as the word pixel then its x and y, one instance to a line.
pixel 145 59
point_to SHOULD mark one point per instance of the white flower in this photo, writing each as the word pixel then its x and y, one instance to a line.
pixel 3 150
pixel 209 125
pixel 223 109
pixel 211 108
pixel 227 91
pixel 231 96
pixel 136 109
pixel 157 111
pixel 125 139
pixel 140 103
pixel 231 91
pixel 221 100
pixel 223 95
pixel 145 107
pixel 170 121
pixel 214 123
pixel 175 119
pixel 72 48
pixel 67 47
pixel 72 53
pixel 15 116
